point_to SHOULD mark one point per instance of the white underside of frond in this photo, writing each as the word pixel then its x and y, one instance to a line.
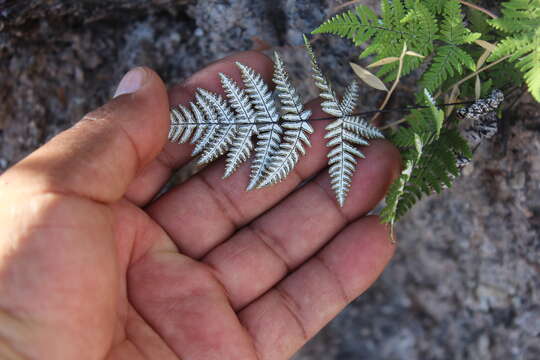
pixel 217 126
pixel 343 133
pixel 211 127
pixel 295 121
pixel 241 145
pixel 267 117
pixel 350 98
pixel 186 124
pixel 240 149
pixel 224 134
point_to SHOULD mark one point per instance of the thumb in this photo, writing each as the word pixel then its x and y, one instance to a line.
pixel 99 156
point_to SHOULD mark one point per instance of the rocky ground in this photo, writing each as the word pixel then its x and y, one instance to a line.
pixel 465 281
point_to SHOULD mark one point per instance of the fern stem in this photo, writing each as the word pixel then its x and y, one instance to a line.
pixel 361 114
pixel 344 5
pixel 394 85
pixel 479 8
pixel 397 122
pixel 470 76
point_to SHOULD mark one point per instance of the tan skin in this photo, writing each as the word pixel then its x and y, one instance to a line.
pixel 91 268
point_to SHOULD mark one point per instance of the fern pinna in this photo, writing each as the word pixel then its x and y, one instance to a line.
pixel 434 154
pixel 431 27
pixel 344 132
pixel 387 33
pixel 521 25
pixel 217 126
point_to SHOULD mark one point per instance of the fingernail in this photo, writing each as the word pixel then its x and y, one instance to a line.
pixel 131 82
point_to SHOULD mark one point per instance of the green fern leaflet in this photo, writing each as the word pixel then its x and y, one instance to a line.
pixel 399 23
pixel 521 23
pixel 430 153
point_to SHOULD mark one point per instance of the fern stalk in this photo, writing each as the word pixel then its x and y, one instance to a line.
pixel 394 85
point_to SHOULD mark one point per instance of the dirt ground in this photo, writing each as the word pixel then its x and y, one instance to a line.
pixel 465 281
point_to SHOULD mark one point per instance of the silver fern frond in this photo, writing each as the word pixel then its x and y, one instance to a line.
pixel 295 121
pixel 267 117
pixel 219 126
pixel 241 146
pixel 343 133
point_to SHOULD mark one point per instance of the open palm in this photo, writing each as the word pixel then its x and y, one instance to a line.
pixel 92 268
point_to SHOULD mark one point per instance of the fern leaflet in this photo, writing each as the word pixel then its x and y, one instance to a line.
pixel 267 116
pixel 224 134
pixel 521 21
pixel 343 133
pixel 433 154
pixel 294 121
pixel 241 145
pixel 210 129
pixel 450 59
pixel 400 22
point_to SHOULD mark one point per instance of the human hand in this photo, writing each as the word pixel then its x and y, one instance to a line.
pixel 91 268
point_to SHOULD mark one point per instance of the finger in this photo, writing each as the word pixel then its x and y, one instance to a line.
pixel 172 156
pixel 262 253
pixel 99 156
pixel 287 316
pixel 223 204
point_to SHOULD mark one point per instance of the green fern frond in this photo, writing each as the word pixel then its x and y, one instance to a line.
pixel 430 159
pixel 437 168
pixel 429 167
pixel 423 20
pixel 400 22
pixel 518 16
pixel 401 196
pixel 358 25
pixel 453 30
pixel 435 6
pixel 414 25
pixel 422 123
pixel 434 155
pixel 449 61
pixel 521 21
